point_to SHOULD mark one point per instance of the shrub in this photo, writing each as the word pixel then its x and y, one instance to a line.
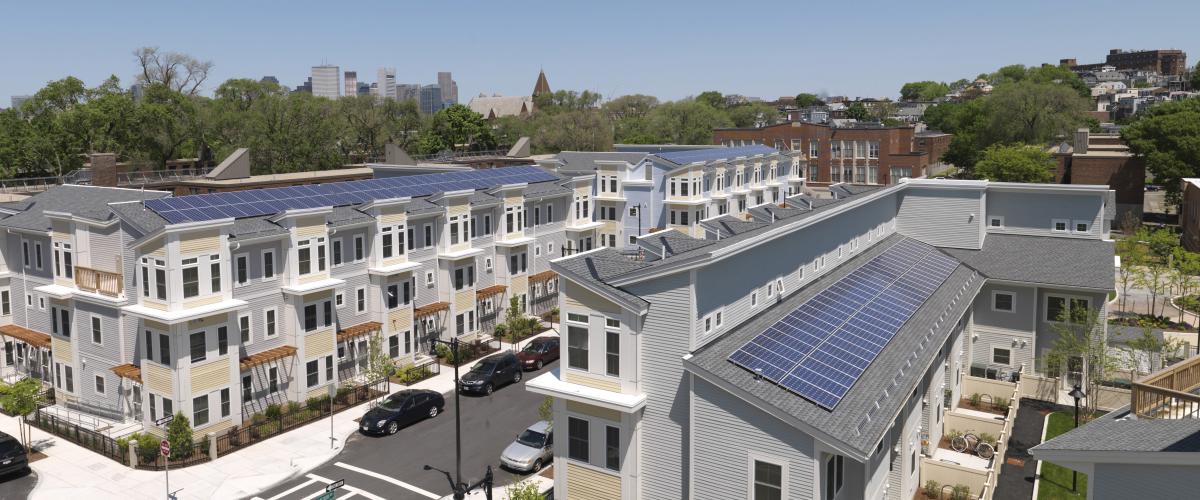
pixel 258 418
pixel 179 433
pixel 147 447
pixel 316 403
pixel 546 409
pixel 412 374
pixel 524 490
pixel 443 351
pixel 974 399
pixel 274 411
pixel 932 489
pixel 343 394
pixel 960 492
pixel 204 445
pixel 951 435
pixel 294 407
pixel 1001 405
pixel 987 438
pixel 268 429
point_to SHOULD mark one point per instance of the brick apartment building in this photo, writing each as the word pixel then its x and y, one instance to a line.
pixel 1103 159
pixel 1163 62
pixel 858 155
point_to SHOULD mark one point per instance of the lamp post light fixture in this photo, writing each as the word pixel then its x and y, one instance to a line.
pixel 1076 394
pixel 457 485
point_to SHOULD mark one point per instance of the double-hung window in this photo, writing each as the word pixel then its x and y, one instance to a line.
pixel 336 251
pixel 214 273
pixel 268 257
pixel 199 348
pixel 388 244
pixel 612 347
pixel 577 341
pixel 64 266
pixel 312 369
pixel 191 277
pixel 768 481
pixel 577 439
pixel 464 277
pixel 200 410
pixel 304 255
pixel 833 476
pixel 612 447
pixel 244 328
pixel 241 268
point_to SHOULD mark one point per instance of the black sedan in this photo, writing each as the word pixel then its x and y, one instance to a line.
pixel 12 455
pixel 492 372
pixel 401 409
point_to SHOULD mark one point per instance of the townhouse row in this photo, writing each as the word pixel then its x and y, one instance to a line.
pixel 132 316
pixel 813 350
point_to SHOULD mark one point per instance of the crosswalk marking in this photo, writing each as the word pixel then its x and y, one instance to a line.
pixel 382 477
pixel 350 489
pixel 289 491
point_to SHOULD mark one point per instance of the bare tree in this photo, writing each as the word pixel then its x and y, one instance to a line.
pixel 179 72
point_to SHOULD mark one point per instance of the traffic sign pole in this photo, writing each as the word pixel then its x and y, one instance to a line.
pixel 164 449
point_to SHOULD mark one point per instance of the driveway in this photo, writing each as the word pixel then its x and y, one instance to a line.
pixel 391 466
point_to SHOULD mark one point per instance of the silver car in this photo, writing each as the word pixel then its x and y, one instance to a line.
pixel 532 449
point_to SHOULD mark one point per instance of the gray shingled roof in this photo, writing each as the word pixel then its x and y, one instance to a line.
pixel 674 242
pixel 346 216
pixel 1121 431
pixel 421 206
pixel 730 226
pixel 546 189
pixel 481 199
pixel 255 227
pixel 597 266
pixel 143 220
pixel 585 161
pixel 847 422
pixel 1075 262
pixel 765 212
pixel 84 201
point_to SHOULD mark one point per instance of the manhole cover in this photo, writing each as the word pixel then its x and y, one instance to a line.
pixel 1015 461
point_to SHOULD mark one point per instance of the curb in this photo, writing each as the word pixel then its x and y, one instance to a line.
pixel 1037 472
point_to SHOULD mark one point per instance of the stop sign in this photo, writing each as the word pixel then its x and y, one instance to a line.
pixel 164 447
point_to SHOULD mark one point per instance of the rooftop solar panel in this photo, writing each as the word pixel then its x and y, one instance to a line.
pixel 819 350
pixel 258 202
pixel 710 154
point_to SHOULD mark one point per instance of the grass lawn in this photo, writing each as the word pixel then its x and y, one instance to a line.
pixel 1056 481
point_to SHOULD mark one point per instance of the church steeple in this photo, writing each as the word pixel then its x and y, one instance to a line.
pixel 542 86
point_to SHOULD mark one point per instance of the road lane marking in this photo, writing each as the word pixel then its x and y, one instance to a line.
pixel 351 489
pixel 290 491
pixel 382 477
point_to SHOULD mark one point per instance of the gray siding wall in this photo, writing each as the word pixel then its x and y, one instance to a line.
pixel 105 248
pixel 347 314
pixel 349 267
pixel 665 419
pixel 257 285
pixel 942 217
pixel 425 294
pixel 730 282
pixel 1124 481
pixel 998 329
pixel 728 431
pixel 1032 213
pixel 1046 333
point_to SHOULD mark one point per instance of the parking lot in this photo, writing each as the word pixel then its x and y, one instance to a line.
pixel 390 467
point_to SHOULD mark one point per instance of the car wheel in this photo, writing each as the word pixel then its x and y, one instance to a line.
pixel 393 427
pixel 487 389
pixel 538 365
pixel 517 377
pixel 537 465
pixel 433 411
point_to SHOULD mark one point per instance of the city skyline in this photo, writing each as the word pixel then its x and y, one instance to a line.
pixel 943 44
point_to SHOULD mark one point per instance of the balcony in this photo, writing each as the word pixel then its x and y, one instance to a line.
pixel 1170 393
pixel 105 283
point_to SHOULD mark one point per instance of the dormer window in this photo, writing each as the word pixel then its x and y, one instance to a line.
pixel 304 255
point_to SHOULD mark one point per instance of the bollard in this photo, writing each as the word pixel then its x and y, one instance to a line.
pixel 132 453
pixel 212 445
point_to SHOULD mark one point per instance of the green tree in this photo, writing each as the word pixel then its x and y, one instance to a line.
pixel 1167 138
pixel 1133 256
pixel 858 112
pixel 1196 78
pixel 21 399
pixel 711 98
pixel 379 364
pixel 1031 112
pixel 546 409
pixel 686 122
pixel 805 100
pixel 1080 335
pixel 525 489
pixel 1015 163
pixel 179 72
pixel 168 121
pixel 516 324
pixel 566 100
pixel 457 126
pixel 923 91
pixel 179 433
pixel 1185 266
pixel 755 114
pixel 576 130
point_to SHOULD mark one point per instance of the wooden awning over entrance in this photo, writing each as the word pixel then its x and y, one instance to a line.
pixel 36 339
pixel 426 310
pixel 359 330
pixel 484 293
pixel 267 356
pixel 543 276
pixel 131 372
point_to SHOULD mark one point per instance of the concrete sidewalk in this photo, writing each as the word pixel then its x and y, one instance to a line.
pixel 71 471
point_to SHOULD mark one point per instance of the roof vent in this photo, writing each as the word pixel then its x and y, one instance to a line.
pixel 758 374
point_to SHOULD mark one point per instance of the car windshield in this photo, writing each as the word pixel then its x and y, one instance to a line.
pixel 534 348
pixel 485 367
pixel 532 439
pixel 8 444
pixel 392 404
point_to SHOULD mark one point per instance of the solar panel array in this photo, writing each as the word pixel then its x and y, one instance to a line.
pixel 710 154
pixel 820 349
pixel 270 201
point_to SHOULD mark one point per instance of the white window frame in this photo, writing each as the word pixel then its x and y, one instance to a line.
pixel 269 254
pixel 487 264
pixel 992 358
pixel 429 279
pixel 357 242
pixel 267 331
pixel 1066 225
pixel 360 306
pixel 37 255
pixel 784 476
pixel 1067 305
pixel 100 384
pixel 41 303
pixel 237 282
pixel 1004 292
pixel 339 299
pixel 995 218
pixel 93 327
pixel 754 299
pixel 1075 224
pixel 339 243
pixel 249 329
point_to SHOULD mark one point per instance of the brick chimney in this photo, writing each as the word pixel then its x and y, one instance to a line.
pixel 104 169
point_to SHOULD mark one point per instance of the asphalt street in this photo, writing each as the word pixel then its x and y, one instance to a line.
pixel 17 485
pixel 391 466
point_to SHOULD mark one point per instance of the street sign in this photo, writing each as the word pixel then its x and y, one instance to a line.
pixel 164 421
pixel 164 447
pixel 328 495
pixel 335 485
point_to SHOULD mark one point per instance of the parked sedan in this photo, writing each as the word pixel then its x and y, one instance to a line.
pixel 538 352
pixel 492 372
pixel 532 449
pixel 12 455
pixel 401 409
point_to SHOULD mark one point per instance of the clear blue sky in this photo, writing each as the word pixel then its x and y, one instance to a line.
pixel 668 49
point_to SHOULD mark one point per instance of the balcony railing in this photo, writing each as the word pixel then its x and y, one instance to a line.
pixel 1170 392
pixel 97 281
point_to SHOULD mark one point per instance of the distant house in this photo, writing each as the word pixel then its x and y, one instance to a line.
pixel 496 106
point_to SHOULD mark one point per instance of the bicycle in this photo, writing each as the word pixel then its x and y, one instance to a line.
pixel 970 441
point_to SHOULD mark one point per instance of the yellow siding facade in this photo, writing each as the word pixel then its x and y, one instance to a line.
pixel 464 300
pixel 584 483
pixel 217 428
pixel 156 248
pixel 400 320
pixel 310 227
pixel 209 377
pixel 211 299
pixel 518 285
pixel 206 241
pixel 318 343
pixel 593 382
pixel 157 378
pixel 593 411
pixel 391 216
pixel 577 296
pixel 61 349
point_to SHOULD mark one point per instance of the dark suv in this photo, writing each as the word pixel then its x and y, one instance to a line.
pixel 492 372
pixel 12 455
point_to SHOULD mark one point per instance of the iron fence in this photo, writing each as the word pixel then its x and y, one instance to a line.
pixel 79 435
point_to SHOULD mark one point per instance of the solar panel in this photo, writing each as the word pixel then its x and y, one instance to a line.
pixel 819 350
pixel 270 201
pixel 710 154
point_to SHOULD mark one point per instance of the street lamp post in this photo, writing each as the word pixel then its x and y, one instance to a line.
pixel 459 488
pixel 1077 394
